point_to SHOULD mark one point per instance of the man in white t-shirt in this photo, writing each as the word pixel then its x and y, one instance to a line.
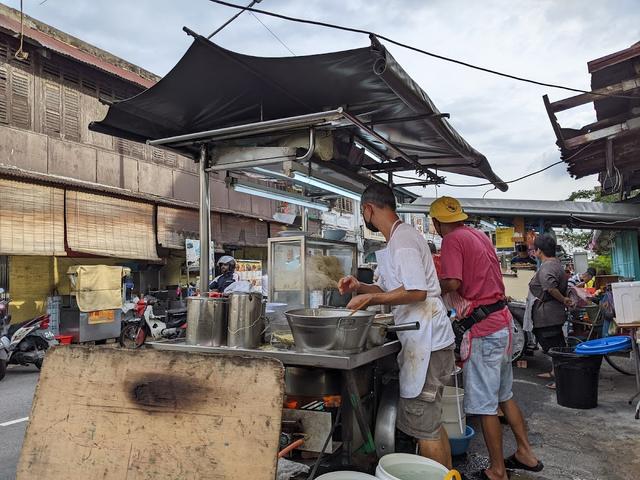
pixel 409 282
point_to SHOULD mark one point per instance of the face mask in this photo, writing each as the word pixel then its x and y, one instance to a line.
pixel 369 225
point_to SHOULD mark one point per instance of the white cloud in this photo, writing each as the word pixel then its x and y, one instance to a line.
pixel 505 120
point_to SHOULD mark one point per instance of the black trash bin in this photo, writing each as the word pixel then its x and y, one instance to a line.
pixel 576 377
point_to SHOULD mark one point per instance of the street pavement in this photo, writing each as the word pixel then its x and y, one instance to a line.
pixel 16 394
pixel 574 444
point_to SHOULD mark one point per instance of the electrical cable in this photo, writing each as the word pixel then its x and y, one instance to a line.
pixel 20 53
pixel 419 50
pixel 490 190
pixel 272 33
pixel 509 181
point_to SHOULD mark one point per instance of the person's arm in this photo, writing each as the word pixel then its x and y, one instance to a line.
pixel 351 284
pixel 451 258
pixel 448 285
pixel 399 296
pixel 550 284
pixel 555 293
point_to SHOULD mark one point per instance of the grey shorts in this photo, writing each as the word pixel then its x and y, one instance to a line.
pixel 488 374
pixel 421 417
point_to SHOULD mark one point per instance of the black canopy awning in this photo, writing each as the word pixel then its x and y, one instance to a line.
pixel 212 88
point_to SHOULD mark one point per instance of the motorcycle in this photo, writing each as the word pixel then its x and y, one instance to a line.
pixel 171 325
pixel 25 343
pixel 5 320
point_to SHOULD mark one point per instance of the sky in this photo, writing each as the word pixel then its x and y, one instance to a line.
pixel 546 40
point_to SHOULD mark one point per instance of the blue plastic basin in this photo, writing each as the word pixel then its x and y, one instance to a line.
pixel 460 445
pixel 602 346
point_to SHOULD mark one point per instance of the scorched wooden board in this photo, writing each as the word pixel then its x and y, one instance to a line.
pixel 106 413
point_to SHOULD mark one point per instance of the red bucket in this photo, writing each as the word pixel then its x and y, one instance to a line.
pixel 64 339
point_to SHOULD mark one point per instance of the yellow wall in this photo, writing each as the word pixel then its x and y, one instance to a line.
pixel 31 280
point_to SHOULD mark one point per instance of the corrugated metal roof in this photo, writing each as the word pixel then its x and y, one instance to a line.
pixel 614 58
pixel 75 53
pixel 574 214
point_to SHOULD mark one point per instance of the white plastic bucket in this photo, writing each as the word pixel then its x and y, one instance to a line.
pixel 344 475
pixel 453 418
pixel 403 466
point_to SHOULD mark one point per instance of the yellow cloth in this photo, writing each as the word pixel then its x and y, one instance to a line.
pixel 97 287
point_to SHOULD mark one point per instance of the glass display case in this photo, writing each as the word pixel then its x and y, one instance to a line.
pixel 304 271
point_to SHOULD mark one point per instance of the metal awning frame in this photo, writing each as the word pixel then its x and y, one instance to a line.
pixel 209 161
pixel 331 119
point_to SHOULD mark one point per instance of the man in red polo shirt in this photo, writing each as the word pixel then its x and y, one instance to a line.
pixel 470 267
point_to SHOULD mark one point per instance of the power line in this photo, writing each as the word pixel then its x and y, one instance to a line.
pixel 509 181
pixel 419 50
pixel 233 18
pixel 272 33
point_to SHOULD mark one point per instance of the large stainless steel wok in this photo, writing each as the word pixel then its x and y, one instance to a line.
pixel 329 330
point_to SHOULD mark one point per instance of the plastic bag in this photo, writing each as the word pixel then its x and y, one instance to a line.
pixel 288 469
pixel 241 286
pixel 579 296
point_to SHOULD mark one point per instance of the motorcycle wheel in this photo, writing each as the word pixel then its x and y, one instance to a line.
pixel 40 345
pixel 128 336
pixel 3 368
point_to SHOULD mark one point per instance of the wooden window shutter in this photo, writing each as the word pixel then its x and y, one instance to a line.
pixel 4 97
pixel 52 114
pixel 20 99
pixel 157 155
pixel 71 114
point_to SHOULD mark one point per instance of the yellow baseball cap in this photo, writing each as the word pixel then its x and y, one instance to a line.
pixel 447 210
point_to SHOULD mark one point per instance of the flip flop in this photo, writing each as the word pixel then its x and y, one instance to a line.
pixel 544 375
pixel 512 463
pixel 551 386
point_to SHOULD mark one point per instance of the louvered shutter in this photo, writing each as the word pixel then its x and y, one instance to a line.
pixel 71 114
pixel 20 99
pixel 52 114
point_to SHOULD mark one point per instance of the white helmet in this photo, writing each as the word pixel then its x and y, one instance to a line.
pixel 227 259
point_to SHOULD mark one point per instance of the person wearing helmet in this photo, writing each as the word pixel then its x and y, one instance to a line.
pixel 228 275
pixel 470 267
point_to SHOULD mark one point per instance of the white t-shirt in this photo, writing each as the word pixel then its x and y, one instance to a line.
pixel 412 266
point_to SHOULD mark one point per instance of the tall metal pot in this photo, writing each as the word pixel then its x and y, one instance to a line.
pixel 246 320
pixel 207 321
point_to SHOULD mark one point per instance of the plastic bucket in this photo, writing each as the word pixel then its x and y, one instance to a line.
pixel 345 475
pixel 403 466
pixel 459 446
pixel 452 410
pixel 577 377
pixel 64 339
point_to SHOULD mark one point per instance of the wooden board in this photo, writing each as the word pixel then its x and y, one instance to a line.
pixel 120 414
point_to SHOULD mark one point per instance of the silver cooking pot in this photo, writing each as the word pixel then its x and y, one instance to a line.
pixel 329 330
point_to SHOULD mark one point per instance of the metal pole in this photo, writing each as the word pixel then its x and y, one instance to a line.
pixel 305 219
pixel 205 221
pixel 233 18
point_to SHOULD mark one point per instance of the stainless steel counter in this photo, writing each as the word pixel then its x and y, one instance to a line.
pixel 291 357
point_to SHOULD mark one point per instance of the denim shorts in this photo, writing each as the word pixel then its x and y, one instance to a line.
pixel 488 374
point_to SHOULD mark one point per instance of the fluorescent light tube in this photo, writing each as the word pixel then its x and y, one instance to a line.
pixel 329 187
pixel 273 194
